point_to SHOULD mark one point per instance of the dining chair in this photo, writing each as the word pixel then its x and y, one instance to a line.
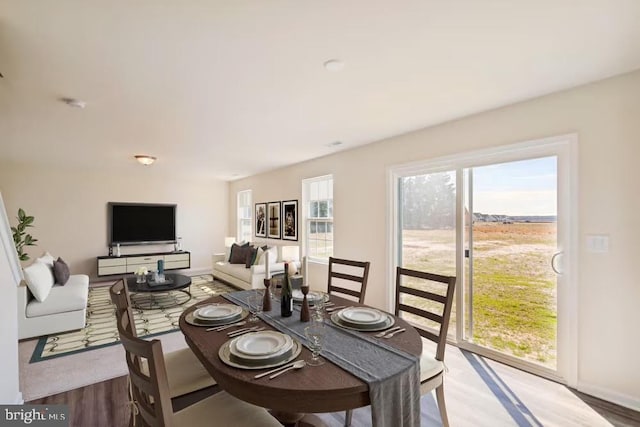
pixel 185 373
pixel 150 398
pixel 429 297
pixel 336 281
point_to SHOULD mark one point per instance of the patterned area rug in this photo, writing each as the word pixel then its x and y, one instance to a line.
pixel 101 329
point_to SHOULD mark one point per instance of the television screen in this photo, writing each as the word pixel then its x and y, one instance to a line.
pixel 139 223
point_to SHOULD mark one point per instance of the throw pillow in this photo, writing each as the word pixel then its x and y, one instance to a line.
pixel 39 278
pixel 46 258
pixel 259 253
pixel 238 254
pixel 61 271
pixel 273 255
pixel 251 256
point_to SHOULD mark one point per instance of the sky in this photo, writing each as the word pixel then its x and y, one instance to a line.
pixel 526 187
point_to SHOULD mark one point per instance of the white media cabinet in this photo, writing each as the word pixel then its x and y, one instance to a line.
pixel 125 264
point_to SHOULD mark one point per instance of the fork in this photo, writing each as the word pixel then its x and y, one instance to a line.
pixel 236 333
pixel 222 328
pixel 332 309
pixel 386 331
pixel 399 331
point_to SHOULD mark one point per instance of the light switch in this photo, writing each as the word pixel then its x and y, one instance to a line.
pixel 598 243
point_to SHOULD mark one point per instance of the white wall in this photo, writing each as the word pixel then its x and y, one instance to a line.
pixel 606 117
pixel 70 210
pixel 9 386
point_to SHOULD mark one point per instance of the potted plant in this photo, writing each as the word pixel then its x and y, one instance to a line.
pixel 20 237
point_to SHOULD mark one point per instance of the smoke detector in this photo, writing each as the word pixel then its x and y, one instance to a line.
pixel 74 103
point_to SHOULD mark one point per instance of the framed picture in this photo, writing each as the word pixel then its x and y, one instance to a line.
pixel 290 220
pixel 273 220
pixel 261 220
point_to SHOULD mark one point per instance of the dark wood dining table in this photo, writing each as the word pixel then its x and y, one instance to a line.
pixel 313 389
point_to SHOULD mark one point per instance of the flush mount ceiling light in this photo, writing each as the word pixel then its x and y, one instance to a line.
pixel 73 102
pixel 144 159
pixel 334 65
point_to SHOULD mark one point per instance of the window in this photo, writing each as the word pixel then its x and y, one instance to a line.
pixel 317 195
pixel 244 215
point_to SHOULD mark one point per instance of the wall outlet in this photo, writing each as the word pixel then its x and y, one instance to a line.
pixel 597 243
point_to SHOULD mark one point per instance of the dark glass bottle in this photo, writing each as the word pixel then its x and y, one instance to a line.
pixel 286 299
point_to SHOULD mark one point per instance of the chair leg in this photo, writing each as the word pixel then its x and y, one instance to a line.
pixel 347 418
pixel 441 406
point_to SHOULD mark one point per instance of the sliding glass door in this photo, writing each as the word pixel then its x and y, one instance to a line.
pixel 497 222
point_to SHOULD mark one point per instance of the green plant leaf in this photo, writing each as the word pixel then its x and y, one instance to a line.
pixel 14 230
pixel 28 239
pixel 28 221
pixel 21 227
pixel 21 214
pixel 24 257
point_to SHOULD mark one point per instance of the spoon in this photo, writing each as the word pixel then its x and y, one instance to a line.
pixel 297 365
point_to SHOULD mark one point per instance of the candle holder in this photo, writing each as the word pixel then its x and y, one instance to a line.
pixel 266 300
pixel 304 310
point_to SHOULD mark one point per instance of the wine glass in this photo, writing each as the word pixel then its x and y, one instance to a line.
pixel 255 301
pixel 315 334
pixel 318 309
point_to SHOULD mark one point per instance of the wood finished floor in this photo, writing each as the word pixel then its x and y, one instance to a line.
pixel 479 392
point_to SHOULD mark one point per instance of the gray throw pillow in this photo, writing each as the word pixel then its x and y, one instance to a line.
pixel 251 256
pixel 61 271
pixel 239 253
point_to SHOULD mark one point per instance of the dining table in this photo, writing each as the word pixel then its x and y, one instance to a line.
pixel 289 397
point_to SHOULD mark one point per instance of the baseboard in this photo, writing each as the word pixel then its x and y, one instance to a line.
pixel 196 271
pixel 610 395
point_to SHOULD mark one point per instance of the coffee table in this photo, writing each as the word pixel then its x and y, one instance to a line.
pixel 148 295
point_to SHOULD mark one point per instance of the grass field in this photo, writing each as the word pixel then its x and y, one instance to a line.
pixel 514 298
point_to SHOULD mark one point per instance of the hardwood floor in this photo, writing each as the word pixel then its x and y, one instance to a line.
pixel 479 392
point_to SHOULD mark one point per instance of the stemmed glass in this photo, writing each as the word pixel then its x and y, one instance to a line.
pixel 318 309
pixel 255 301
pixel 315 334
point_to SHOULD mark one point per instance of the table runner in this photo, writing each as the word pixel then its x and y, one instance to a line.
pixel 393 375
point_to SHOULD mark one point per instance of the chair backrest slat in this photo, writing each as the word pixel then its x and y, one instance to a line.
pixel 418 299
pixel 361 280
pixel 119 293
pixel 150 387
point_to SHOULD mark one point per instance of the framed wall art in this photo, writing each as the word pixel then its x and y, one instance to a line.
pixel 261 220
pixel 290 220
pixel 273 220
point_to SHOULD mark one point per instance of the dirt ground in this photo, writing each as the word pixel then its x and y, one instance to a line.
pixel 514 298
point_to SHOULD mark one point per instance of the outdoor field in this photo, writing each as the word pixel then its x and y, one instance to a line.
pixel 514 287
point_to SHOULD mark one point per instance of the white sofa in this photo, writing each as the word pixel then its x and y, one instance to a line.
pixel 60 309
pixel 253 277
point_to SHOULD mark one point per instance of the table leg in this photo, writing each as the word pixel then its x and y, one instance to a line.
pixel 290 419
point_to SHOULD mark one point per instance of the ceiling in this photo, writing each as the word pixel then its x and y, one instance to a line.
pixel 226 89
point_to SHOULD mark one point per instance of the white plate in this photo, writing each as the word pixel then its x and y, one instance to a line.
pixel 233 349
pixel 361 315
pixel 225 356
pixel 312 296
pixel 388 321
pixel 217 312
pixel 261 343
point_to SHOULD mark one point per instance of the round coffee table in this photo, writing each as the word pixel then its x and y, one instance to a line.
pixel 172 292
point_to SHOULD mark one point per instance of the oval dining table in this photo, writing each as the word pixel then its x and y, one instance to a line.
pixel 312 389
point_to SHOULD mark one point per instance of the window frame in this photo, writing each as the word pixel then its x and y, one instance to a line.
pixel 240 218
pixel 307 219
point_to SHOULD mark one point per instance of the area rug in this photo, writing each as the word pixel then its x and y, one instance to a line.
pixel 101 329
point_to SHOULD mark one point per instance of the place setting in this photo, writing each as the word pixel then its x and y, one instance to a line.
pixel 260 350
pixel 363 319
pixel 216 315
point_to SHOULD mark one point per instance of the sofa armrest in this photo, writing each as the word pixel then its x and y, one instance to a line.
pixel 217 257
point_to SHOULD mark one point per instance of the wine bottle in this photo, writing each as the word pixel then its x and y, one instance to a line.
pixel 286 300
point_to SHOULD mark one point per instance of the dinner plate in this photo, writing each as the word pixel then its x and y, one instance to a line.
pixel 388 321
pixel 312 297
pixel 361 315
pixel 192 320
pixel 225 355
pixel 217 311
pixel 262 343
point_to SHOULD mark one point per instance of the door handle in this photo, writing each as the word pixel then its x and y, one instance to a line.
pixel 554 264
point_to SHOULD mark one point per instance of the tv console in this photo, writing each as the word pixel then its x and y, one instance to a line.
pixel 126 264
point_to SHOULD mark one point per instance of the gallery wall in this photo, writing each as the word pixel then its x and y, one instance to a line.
pixel 605 117
pixel 70 210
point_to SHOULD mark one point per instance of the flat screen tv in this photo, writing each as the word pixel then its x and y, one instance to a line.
pixel 141 223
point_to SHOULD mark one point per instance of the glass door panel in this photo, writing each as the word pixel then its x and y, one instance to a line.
pixel 428 228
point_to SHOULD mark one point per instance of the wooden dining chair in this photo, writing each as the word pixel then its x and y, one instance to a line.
pixel 429 297
pixel 336 282
pixel 185 373
pixel 150 398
